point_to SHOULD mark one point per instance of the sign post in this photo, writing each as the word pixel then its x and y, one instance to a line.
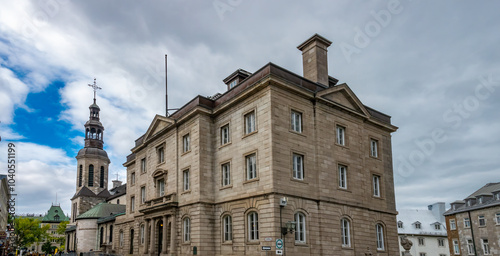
pixel 279 247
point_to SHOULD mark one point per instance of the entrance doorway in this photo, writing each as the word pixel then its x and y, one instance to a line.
pixel 131 242
pixel 160 236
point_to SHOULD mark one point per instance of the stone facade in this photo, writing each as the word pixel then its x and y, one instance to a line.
pixel 249 128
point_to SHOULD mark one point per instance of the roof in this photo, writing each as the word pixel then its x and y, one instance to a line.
pixel 117 192
pixel 487 190
pixel 70 228
pixel 426 219
pixel 87 151
pixel 55 214
pixel 109 218
pixel 102 210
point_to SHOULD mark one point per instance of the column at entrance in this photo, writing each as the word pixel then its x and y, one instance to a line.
pixel 164 238
pixel 146 236
pixel 173 234
pixel 153 237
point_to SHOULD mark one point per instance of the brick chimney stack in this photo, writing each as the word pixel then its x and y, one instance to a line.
pixel 314 58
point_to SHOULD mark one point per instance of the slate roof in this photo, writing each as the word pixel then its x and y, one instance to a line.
pixel 102 210
pixel 117 191
pixel 109 218
pixel 87 192
pixel 487 190
pixel 427 220
pixel 55 211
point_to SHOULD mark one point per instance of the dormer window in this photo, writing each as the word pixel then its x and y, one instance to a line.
pixel 469 202
pixel 400 224
pixel 418 225
pixel 480 200
pixel 497 196
pixel 235 78
pixel 233 84
pixel 437 226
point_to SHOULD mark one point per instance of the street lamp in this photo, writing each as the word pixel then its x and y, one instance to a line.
pixel 290 228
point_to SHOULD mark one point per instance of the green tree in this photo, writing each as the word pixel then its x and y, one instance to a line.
pixel 48 248
pixel 61 229
pixel 29 231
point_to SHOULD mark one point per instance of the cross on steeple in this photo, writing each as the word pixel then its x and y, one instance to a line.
pixel 95 87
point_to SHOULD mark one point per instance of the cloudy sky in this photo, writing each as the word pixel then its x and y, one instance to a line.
pixel 433 66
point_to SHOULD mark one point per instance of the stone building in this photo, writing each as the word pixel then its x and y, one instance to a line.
pixel 54 216
pixel 209 179
pixel 426 229
pixel 474 223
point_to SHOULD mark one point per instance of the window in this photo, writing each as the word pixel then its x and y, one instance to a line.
pixel 141 233
pixel 470 247
pixel 80 176
pixel 376 185
pixel 143 165
pixel 296 121
pixel 298 166
pixel 437 226
pixel 250 122
pixel 456 248
pixel 132 204
pixel 345 229
pixel 251 163
pixel 340 135
pixel 224 134
pixel 453 225
pixel 121 238
pixel 342 177
pixel 421 241
pixel 466 223
pixel 497 218
pixel 228 228
pixel 101 177
pixel 185 179
pixel 143 195
pixel 422 254
pixel 380 237
pixel 300 228
pixel 482 220
pixel 497 196
pixel 91 175
pixel 374 148
pixel 160 186
pixel 111 233
pixel 253 226
pixel 161 155
pixel 233 84
pixel 486 246
pixel 440 242
pixel 186 229
pixel 132 178
pixel 417 225
pixel 186 144
pixel 117 201
pixel 226 174
pixel 480 200
pixel 400 224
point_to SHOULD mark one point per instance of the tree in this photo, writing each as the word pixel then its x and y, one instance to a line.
pixel 48 248
pixel 61 229
pixel 28 231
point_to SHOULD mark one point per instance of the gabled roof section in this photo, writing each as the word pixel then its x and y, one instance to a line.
pixel 102 210
pixel 344 96
pixel 117 192
pixel 425 218
pixel 158 124
pixel 55 214
pixel 105 193
pixel 84 192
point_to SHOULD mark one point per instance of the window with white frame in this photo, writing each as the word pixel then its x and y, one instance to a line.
pixel 186 143
pixel 453 225
pixel 440 242
pixel 141 233
pixel 185 175
pixel 296 121
pixel 497 196
pixel 186 229
pixel 132 178
pixel 466 223
pixel 160 187
pixel 132 203
pixel 342 176
pixel 400 224
pixel 486 246
pixel 437 226
pixel 228 228
pixel 249 122
pixel 376 185
pixel 380 237
pixel 224 134
pixel 482 220
pixel 421 241
pixel 470 247
pixel 418 225
pixel 374 148
pixel 143 165
pixel 143 195
pixel 497 218
pixel 251 166
pixel 253 226
pixel 298 166
pixel 340 135
pixel 226 174
pixel 233 84
pixel 345 229
pixel 300 228
pixel 161 155
pixel 456 247
pixel 480 200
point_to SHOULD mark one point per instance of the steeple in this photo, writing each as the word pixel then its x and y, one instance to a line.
pixel 94 131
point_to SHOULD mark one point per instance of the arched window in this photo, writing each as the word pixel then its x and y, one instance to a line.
pixel 56 218
pixel 99 134
pixel 228 227
pixel 93 133
pixel 91 175
pixel 101 179
pixel 111 233
pixel 186 230
pixel 380 237
pixel 141 234
pixel 345 228
pixel 253 226
pixel 300 232
pixel 121 238
pixel 80 176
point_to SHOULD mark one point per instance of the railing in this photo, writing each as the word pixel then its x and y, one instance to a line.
pixel 170 198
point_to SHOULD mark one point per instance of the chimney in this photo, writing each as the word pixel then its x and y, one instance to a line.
pixel 116 183
pixel 438 210
pixel 314 59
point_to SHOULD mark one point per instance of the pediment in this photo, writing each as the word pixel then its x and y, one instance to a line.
pixel 343 95
pixel 159 123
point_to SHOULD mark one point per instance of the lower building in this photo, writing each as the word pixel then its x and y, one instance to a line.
pixel 426 229
pixel 474 223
